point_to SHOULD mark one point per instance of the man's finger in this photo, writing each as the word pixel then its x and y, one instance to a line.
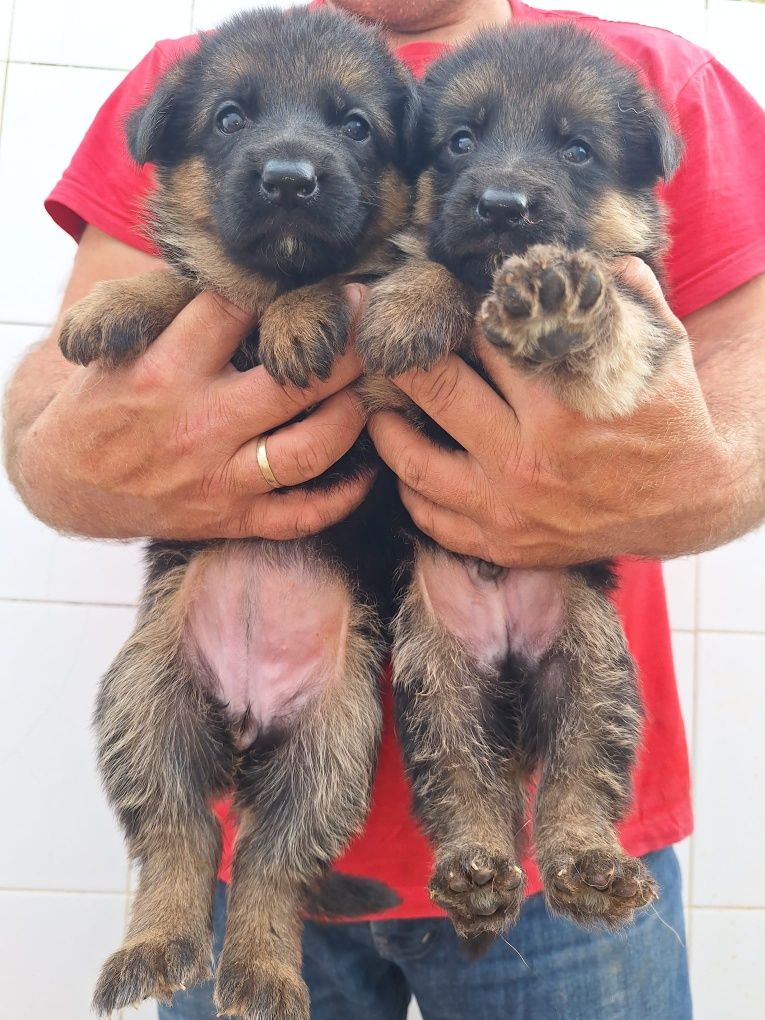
pixel 450 529
pixel 203 337
pixel 636 274
pixel 252 403
pixel 462 403
pixel 447 476
pixel 529 398
pixel 298 513
pixel 305 449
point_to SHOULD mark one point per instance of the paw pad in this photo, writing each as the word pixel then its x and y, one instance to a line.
pixel 600 886
pixel 481 892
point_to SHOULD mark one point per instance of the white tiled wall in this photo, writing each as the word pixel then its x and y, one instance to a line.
pixel 65 605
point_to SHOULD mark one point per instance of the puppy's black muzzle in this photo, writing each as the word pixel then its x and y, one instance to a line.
pixel 289 182
pixel 502 209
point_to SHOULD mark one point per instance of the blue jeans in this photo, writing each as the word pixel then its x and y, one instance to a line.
pixel 370 970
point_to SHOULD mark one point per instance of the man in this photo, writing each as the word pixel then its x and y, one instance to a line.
pixel 168 447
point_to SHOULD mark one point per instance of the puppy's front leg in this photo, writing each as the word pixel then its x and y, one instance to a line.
pixel 303 331
pixel 562 316
pixel 118 320
pixel 416 315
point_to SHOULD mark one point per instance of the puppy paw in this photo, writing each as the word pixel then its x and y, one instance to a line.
pixel 301 334
pixel 482 892
pixel 260 990
pixel 598 886
pixel 118 320
pixel 153 967
pixel 412 321
pixel 545 305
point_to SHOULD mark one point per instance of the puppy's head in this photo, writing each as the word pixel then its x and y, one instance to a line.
pixel 539 135
pixel 282 142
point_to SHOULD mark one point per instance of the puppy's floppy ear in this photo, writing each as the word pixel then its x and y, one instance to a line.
pixel 667 143
pixel 651 146
pixel 408 122
pixel 150 128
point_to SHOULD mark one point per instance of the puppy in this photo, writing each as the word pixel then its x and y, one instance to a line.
pixel 280 153
pixel 540 152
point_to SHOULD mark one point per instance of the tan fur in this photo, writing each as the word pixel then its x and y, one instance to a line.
pixel 393 207
pixel 133 311
pixel 624 224
pixel 415 316
pixel 424 200
pixel 302 332
pixel 183 224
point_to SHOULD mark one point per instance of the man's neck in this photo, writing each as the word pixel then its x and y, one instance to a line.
pixel 454 26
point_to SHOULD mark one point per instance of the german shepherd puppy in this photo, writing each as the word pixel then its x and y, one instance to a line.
pixel 280 147
pixel 539 155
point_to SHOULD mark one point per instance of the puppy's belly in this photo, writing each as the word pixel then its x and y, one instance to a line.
pixel 518 611
pixel 268 631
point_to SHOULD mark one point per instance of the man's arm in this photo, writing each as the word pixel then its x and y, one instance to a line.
pixel 538 485
pixel 166 446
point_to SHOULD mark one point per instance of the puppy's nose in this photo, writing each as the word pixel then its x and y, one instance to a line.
pixel 288 182
pixel 503 208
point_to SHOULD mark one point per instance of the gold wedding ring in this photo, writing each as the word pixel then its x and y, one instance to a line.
pixel 265 467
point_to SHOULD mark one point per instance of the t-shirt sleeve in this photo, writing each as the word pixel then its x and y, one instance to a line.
pixel 102 185
pixel 717 198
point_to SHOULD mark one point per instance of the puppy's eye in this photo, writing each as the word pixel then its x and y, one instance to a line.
pixel 356 127
pixel 577 152
pixel 462 142
pixel 229 119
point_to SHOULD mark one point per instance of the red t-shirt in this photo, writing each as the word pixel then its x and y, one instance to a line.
pixel 717 206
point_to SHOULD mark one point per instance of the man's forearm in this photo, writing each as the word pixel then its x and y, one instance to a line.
pixel 730 360
pixel 37 381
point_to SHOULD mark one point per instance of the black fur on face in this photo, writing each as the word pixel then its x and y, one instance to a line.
pixel 313 91
pixel 538 135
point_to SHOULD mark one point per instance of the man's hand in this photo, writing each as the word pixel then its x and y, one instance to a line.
pixel 166 446
pixel 539 485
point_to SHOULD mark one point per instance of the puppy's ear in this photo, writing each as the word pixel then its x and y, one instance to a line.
pixel 408 123
pixel 667 144
pixel 150 128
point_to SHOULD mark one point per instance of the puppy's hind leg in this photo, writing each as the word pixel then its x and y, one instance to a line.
pixel 457 723
pixel 163 753
pixel 304 783
pixel 586 714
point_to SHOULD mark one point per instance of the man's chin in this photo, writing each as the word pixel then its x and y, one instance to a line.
pixel 398 16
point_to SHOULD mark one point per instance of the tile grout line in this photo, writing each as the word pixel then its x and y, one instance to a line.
pixel 694 738
pixel 712 630
pixel 11 601
pixel 36 325
pixel 67 67
pixel 35 891
pixel 6 69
